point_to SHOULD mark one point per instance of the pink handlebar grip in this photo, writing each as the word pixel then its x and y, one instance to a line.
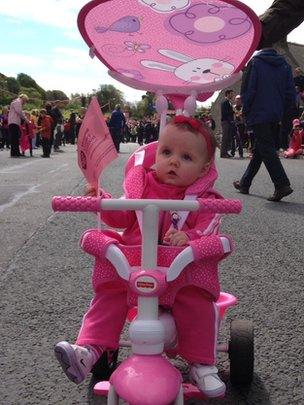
pixel 220 206
pixel 76 204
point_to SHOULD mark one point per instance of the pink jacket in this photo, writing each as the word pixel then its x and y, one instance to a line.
pixel 140 182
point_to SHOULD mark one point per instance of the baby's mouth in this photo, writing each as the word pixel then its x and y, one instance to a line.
pixel 172 173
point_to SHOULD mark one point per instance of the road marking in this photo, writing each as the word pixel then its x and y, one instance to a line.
pixel 16 168
pixel 58 168
pixel 18 196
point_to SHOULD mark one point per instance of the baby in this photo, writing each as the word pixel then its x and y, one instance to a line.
pixel 184 160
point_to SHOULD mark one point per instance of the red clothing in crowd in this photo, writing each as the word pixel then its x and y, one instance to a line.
pixel 27 134
pixel 46 127
pixel 296 139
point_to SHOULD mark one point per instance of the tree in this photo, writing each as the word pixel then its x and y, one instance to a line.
pixel 83 101
pixel 148 103
pixel 140 110
pixel 12 85
pixel 81 98
pixel 35 97
pixel 26 81
pixel 108 96
pixel 53 95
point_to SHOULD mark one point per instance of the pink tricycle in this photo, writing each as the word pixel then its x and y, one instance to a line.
pixel 152 271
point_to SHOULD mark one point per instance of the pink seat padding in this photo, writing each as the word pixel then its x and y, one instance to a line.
pixel 95 242
pixel 134 182
pixel 207 247
pixel 202 273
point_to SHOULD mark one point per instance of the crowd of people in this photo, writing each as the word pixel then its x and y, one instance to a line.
pixel 141 131
pixel 131 130
pixel 238 135
pixel 23 131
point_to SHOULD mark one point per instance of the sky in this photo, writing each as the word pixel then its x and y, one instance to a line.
pixel 41 38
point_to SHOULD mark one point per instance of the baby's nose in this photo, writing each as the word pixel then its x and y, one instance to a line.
pixel 174 161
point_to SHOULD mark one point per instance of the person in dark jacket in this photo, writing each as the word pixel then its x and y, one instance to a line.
pixel 140 130
pixel 267 93
pixel 116 124
pixel 227 121
pixel 280 19
pixel 72 128
pixel 57 117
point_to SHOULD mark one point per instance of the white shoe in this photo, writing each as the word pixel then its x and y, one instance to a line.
pixel 76 361
pixel 207 380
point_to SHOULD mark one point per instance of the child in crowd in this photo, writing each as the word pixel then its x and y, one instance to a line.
pixel 34 120
pixel 46 125
pixel 184 160
pixel 27 135
pixel 66 131
pixel 296 141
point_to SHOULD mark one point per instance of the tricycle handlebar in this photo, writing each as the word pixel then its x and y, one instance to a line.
pixel 76 204
pixel 97 204
pixel 219 206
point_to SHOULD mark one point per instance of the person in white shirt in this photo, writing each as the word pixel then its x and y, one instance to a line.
pixel 15 116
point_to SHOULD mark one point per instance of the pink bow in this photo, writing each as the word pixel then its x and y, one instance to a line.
pixel 181 119
pixel 195 124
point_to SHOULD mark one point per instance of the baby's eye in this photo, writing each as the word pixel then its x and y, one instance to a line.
pixel 187 157
pixel 166 152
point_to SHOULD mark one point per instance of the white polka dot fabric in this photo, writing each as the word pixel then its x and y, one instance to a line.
pixel 203 273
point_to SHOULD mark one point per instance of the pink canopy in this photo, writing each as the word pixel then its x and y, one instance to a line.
pixel 176 46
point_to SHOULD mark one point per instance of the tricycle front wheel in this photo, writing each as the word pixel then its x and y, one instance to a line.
pixel 241 352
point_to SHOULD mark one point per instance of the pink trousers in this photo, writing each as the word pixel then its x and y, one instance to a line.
pixel 290 153
pixel 195 314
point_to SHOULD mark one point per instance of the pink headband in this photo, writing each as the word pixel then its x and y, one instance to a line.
pixel 196 124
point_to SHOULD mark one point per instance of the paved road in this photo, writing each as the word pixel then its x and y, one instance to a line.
pixel 45 279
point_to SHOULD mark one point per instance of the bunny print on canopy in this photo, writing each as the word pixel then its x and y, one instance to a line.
pixel 172 45
pixel 203 70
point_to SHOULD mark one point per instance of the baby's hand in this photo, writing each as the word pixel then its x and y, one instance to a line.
pixel 176 238
pixel 90 190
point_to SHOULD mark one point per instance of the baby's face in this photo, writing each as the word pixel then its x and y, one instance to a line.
pixel 181 156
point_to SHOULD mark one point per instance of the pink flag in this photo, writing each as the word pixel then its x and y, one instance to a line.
pixel 95 146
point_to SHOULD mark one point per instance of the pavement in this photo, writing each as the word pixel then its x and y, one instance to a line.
pixel 46 288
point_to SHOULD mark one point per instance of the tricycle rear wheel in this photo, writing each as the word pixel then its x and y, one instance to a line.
pixel 241 352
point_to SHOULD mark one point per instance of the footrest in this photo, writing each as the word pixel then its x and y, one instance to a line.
pixel 190 390
pixel 102 388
